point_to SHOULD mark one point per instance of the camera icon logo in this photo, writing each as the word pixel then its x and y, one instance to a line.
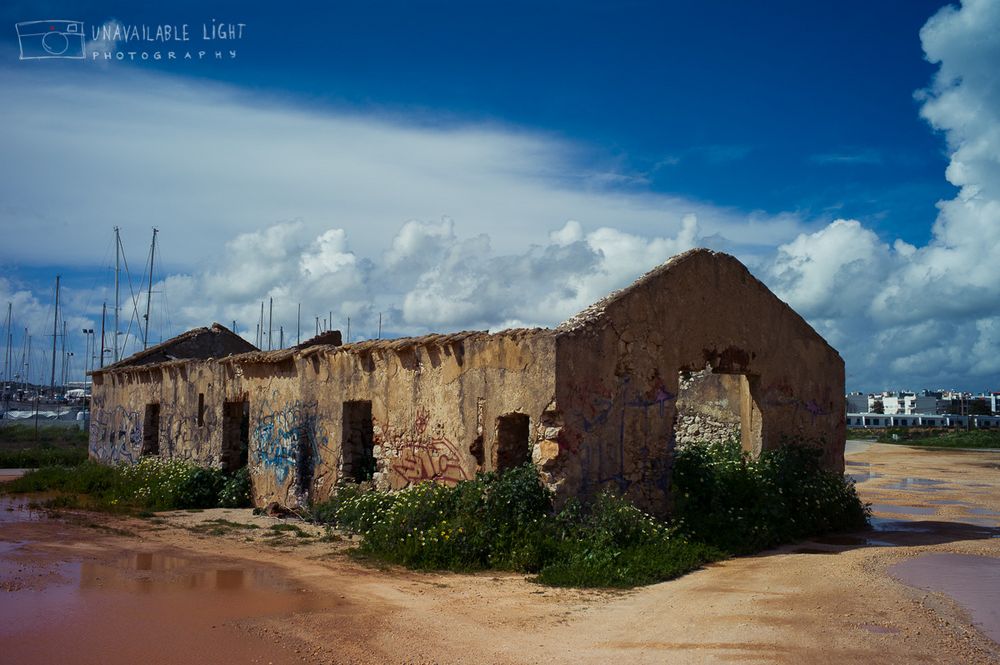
pixel 40 40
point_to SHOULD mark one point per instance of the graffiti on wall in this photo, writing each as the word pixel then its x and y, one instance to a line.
pixel 281 433
pixel 423 452
pixel 781 394
pixel 115 434
pixel 596 407
pixel 178 430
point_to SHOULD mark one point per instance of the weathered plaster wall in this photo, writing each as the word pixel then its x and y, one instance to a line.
pixel 617 375
pixel 119 403
pixel 433 404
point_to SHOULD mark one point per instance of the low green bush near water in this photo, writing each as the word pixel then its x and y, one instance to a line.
pixel 150 484
pixel 724 497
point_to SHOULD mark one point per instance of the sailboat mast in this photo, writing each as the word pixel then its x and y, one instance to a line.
pixel 104 316
pixel 64 358
pixel 149 289
pixel 118 244
pixel 55 337
pixel 7 356
pixel 27 360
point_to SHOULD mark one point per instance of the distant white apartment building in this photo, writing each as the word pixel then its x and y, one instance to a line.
pixel 898 404
pixel 892 403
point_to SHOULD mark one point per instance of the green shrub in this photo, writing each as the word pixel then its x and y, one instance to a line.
pixel 729 500
pixel 86 478
pixel 611 543
pixel 506 521
pixel 151 483
pixel 158 484
pixel 493 521
pixel 235 492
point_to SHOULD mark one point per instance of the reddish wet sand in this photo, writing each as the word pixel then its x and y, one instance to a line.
pixel 83 588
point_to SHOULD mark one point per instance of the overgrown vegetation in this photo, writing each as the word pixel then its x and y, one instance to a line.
pixel 942 438
pixel 724 497
pixel 150 484
pixel 725 503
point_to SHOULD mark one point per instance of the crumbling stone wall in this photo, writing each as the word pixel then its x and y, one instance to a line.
pixel 617 367
pixel 708 408
pixel 435 403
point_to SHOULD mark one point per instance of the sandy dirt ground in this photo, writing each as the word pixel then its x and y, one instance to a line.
pixel 224 586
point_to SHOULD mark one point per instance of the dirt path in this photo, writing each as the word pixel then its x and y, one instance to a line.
pixel 238 594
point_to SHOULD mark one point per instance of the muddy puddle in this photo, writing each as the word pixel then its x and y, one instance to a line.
pixel 67 603
pixel 902 510
pixel 915 485
pixel 20 509
pixel 860 472
pixel 971 581
pixel 895 532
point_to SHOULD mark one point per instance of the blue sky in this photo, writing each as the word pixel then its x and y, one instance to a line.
pixel 565 143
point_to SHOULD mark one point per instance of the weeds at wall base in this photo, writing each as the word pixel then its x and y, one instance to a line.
pixel 152 484
pixel 726 503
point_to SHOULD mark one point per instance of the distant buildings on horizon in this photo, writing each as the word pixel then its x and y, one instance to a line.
pixel 926 402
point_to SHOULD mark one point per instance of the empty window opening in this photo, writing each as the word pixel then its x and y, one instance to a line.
pixel 513 446
pixel 201 409
pixel 358 444
pixel 235 434
pixel 714 407
pixel 151 430
pixel 305 462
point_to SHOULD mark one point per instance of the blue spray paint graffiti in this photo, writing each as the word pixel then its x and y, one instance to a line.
pixel 596 404
pixel 284 437
pixel 115 435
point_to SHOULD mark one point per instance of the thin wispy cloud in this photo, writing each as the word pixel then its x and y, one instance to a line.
pixel 848 157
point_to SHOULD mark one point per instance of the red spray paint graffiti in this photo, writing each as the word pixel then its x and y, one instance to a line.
pixel 420 454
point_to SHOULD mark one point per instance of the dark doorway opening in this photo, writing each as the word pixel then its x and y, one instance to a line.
pixel 151 430
pixel 305 462
pixel 513 445
pixel 358 444
pixel 235 435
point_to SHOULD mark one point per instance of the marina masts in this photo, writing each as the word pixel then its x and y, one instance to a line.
pixel 118 244
pixel 149 290
pixel 55 336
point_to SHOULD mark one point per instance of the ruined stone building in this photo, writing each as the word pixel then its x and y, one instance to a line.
pixel 695 349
